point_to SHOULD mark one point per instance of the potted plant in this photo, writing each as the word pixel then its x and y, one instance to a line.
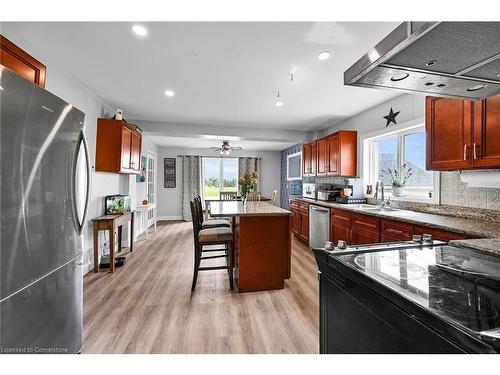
pixel 248 183
pixel 399 178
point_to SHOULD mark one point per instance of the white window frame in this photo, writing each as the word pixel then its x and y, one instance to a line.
pixel 297 154
pixel 370 161
pixel 221 173
pixel 151 160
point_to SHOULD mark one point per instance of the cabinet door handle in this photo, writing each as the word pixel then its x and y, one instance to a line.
pixel 465 152
pixel 474 150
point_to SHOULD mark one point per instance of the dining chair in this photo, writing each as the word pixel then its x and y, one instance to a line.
pixel 228 195
pixel 253 196
pixel 274 195
pixel 210 237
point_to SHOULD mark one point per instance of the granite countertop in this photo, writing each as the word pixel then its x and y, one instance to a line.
pixel 489 245
pixel 473 228
pixel 235 208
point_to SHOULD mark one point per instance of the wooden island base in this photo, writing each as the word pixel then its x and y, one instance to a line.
pixel 262 243
pixel 263 252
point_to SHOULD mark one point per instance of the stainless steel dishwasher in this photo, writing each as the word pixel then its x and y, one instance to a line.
pixel 319 226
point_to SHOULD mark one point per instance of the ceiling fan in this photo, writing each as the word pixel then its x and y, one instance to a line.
pixel 225 149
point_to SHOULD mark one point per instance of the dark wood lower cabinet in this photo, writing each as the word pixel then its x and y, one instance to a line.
pixel 438 234
pixel 300 220
pixel 340 223
pixel 304 224
pixel 364 229
pixel 392 230
pixel 357 229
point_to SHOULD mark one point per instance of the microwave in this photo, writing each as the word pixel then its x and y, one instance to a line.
pixel 309 190
pixel 116 204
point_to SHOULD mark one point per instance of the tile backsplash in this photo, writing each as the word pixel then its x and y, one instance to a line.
pixel 456 193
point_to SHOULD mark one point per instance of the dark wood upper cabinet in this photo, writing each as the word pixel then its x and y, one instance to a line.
pixel 17 60
pixel 462 134
pixel 333 158
pixel 486 137
pixel 309 159
pixel 346 154
pixel 337 154
pixel 322 156
pixel 448 133
pixel 118 147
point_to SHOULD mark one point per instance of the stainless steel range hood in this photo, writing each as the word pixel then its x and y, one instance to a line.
pixel 449 59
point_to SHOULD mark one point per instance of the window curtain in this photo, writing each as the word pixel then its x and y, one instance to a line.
pixel 190 183
pixel 249 165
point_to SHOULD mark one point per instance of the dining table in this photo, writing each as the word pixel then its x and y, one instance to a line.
pixel 262 243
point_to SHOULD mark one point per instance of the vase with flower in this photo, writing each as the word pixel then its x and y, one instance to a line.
pixel 399 178
pixel 248 182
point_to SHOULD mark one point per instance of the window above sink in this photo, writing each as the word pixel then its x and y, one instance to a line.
pixel 390 150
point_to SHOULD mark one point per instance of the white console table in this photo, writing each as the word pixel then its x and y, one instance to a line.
pixel 145 221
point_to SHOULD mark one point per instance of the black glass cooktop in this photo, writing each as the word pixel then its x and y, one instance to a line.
pixel 458 284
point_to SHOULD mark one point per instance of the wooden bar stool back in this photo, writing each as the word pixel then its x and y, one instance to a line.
pixel 213 223
pixel 208 237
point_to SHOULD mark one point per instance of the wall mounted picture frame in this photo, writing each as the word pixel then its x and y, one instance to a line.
pixel 169 172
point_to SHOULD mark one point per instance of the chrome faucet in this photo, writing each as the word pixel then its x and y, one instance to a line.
pixel 382 202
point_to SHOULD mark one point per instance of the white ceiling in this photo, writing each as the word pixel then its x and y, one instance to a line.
pixel 223 74
pixel 208 143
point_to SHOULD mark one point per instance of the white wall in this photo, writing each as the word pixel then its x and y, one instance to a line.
pixel 170 200
pixel 70 90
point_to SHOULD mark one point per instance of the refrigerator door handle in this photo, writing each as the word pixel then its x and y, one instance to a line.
pixel 80 221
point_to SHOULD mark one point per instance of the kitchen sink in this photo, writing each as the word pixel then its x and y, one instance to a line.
pixel 369 207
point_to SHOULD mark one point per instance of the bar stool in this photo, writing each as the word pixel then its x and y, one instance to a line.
pixel 212 223
pixel 208 237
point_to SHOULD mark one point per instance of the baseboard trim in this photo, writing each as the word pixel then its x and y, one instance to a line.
pixel 168 218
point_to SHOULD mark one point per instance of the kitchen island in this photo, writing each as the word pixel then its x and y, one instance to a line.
pixel 262 243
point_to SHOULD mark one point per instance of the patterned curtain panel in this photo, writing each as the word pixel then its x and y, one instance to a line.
pixel 190 183
pixel 248 165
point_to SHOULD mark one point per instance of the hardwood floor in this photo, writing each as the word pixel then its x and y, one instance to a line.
pixel 147 306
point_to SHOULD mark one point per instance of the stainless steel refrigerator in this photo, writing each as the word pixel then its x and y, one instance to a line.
pixel 44 186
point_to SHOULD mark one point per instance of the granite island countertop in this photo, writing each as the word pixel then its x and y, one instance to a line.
pixel 469 227
pixel 236 208
pixel 489 245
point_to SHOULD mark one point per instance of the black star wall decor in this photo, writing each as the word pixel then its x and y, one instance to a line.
pixel 391 117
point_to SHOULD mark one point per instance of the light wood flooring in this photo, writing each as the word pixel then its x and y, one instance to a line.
pixel 147 305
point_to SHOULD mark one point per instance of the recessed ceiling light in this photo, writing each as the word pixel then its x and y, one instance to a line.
pixel 140 30
pixel 279 104
pixel 325 55
pixel 169 93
